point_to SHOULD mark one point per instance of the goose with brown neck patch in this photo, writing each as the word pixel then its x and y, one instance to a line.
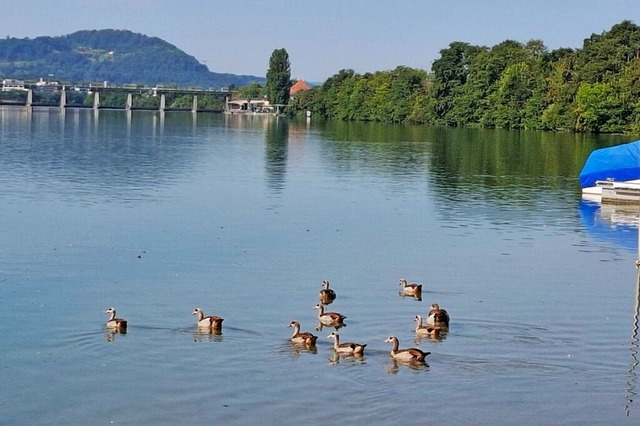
pixel 331 319
pixel 117 324
pixel 305 338
pixel 408 354
pixel 411 289
pixel 212 321
pixel 348 348
pixel 438 316
pixel 326 295
pixel 425 330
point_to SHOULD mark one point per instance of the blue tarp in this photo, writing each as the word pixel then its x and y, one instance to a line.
pixel 619 163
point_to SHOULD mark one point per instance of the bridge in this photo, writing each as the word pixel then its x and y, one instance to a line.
pixel 130 90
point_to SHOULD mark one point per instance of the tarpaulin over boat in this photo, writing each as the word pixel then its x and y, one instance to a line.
pixel 619 163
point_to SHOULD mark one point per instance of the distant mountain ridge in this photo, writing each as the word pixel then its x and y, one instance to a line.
pixel 117 56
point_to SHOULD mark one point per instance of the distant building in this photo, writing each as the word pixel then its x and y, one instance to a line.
pixel 299 86
pixel 9 84
pixel 238 106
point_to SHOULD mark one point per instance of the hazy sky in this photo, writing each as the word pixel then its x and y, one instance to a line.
pixel 323 36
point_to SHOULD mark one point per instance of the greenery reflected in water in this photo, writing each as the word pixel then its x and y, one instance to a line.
pixel 276 138
pixel 459 158
pixel 145 149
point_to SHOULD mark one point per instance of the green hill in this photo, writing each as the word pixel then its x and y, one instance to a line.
pixel 118 56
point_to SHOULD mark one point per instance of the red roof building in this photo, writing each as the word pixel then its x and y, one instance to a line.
pixel 299 86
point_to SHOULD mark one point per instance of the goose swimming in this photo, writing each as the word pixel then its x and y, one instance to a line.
pixel 326 295
pixel 409 354
pixel 346 347
pixel 117 324
pixel 211 321
pixel 331 319
pixel 302 337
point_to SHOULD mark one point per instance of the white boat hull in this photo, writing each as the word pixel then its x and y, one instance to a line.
pixel 613 192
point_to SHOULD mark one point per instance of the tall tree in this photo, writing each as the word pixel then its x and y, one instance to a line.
pixel 278 77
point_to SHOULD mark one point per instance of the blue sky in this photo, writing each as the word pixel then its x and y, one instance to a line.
pixel 323 36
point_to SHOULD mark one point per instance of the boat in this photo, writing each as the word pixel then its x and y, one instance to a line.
pixel 612 175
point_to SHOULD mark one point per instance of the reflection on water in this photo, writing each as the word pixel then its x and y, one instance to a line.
pixel 421 338
pixel 95 153
pixel 633 347
pixel 416 297
pixel 207 334
pixel 111 334
pixel 336 326
pixel 394 365
pixel 276 151
pixel 335 358
pixel 613 224
pixel 296 348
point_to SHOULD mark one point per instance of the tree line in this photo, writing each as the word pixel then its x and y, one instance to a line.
pixel 511 85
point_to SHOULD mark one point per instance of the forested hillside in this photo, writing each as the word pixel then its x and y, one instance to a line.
pixel 117 56
pixel 511 85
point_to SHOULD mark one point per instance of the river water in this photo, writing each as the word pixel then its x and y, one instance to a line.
pixel 244 216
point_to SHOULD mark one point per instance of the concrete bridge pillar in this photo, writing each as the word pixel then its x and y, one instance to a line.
pixel 163 102
pixel 129 102
pixel 96 100
pixel 194 105
pixel 29 98
pixel 63 99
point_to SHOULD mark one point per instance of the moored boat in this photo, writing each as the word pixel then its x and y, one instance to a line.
pixel 612 175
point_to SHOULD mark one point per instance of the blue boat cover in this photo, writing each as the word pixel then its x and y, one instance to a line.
pixel 619 163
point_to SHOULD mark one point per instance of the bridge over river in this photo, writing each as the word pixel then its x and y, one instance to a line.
pixel 130 92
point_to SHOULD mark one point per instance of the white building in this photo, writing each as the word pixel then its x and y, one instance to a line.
pixel 9 84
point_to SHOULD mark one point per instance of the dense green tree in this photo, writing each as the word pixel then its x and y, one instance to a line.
pixel 604 56
pixel 562 85
pixel 252 91
pixel 278 81
pixel 510 85
pixel 450 74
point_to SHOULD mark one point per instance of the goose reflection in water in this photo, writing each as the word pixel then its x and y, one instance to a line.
pixel 201 334
pixel 297 348
pixel 335 357
pixel 320 326
pixel 419 338
pixel 416 297
pixel 110 334
pixel 395 365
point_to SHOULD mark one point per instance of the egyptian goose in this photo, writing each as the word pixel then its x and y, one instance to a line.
pixel 118 324
pixel 326 295
pixel 411 289
pixel 211 321
pixel 305 337
pixel 331 319
pixel 437 316
pixel 425 330
pixel 409 354
pixel 349 348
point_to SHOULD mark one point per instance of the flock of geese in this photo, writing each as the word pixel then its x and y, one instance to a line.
pixel 437 322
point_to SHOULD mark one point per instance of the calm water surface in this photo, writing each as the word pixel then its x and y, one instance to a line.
pixel 245 216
